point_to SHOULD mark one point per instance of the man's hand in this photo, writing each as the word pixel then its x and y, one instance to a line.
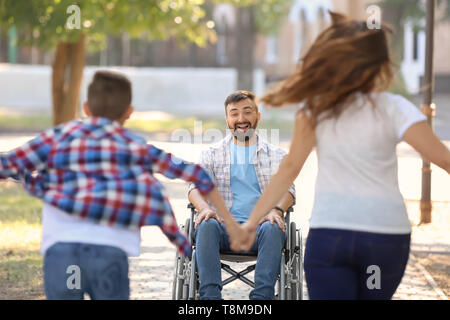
pixel 274 216
pixel 206 214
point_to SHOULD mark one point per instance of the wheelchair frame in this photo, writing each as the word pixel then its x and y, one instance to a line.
pixel 290 280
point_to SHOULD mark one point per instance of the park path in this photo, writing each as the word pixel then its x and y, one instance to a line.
pixel 151 273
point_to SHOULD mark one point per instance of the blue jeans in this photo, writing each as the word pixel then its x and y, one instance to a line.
pixel 344 264
pixel 72 269
pixel 211 238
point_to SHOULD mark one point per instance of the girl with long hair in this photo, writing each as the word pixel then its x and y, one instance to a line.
pixel 359 238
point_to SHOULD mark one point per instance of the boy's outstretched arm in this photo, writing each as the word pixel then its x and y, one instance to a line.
pixel 176 168
pixel 24 160
pixel 172 167
pixel 232 227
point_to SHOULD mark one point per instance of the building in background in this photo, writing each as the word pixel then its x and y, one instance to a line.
pixel 308 18
pixel 413 64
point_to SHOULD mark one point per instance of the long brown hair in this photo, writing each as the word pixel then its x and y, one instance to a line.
pixel 346 58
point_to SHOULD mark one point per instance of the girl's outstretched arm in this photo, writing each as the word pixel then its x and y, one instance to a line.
pixel 421 137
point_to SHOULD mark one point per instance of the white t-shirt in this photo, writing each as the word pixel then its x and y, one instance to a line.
pixel 58 226
pixel 357 182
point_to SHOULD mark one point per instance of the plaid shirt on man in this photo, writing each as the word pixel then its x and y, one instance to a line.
pixel 97 170
pixel 216 160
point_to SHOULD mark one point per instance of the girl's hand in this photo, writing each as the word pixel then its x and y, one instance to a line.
pixel 244 238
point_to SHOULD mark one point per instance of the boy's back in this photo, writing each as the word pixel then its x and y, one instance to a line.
pixel 97 170
pixel 96 180
pixel 88 155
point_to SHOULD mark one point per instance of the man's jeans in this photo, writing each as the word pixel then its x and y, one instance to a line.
pixel 211 237
pixel 72 269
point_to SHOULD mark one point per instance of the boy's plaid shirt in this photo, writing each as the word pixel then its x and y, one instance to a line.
pixel 96 169
pixel 216 160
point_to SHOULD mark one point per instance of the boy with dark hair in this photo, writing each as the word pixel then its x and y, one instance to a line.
pixel 96 181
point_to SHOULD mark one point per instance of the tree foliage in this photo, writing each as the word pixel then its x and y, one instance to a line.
pixel 43 22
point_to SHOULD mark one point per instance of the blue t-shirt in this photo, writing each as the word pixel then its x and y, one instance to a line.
pixel 243 180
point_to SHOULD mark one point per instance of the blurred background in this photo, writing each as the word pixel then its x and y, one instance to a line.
pixel 185 57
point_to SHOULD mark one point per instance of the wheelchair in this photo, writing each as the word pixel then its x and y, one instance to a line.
pixel 289 284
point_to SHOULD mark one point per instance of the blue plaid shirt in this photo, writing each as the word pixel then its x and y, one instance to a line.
pixel 96 169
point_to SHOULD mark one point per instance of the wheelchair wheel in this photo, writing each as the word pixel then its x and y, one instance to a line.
pixel 192 292
pixel 300 269
pixel 282 284
pixel 180 285
pixel 178 281
pixel 292 239
pixel 294 268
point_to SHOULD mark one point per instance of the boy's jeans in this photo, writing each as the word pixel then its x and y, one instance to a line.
pixel 72 269
pixel 211 237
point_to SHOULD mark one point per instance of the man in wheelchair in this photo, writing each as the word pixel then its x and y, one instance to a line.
pixel 241 165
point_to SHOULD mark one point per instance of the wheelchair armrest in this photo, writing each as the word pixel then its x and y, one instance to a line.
pixel 193 210
pixel 287 215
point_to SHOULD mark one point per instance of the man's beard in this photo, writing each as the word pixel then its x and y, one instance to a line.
pixel 244 136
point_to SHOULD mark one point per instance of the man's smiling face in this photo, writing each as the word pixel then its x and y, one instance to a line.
pixel 242 119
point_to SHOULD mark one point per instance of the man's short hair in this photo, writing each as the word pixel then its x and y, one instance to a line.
pixel 109 94
pixel 238 96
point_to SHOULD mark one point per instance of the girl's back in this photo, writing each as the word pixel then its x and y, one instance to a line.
pixel 357 185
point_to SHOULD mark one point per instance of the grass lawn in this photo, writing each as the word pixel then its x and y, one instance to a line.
pixel 20 228
pixel 29 123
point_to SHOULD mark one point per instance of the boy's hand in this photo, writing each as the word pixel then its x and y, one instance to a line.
pixel 206 214
pixel 242 237
pixel 274 216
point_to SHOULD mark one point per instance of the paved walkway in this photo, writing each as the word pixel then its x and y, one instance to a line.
pixel 151 277
pixel 151 273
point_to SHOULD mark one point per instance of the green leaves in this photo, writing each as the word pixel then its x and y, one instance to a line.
pixel 44 23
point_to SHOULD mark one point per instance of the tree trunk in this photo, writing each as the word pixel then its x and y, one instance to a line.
pixel 67 75
pixel 245 38
pixel 126 50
